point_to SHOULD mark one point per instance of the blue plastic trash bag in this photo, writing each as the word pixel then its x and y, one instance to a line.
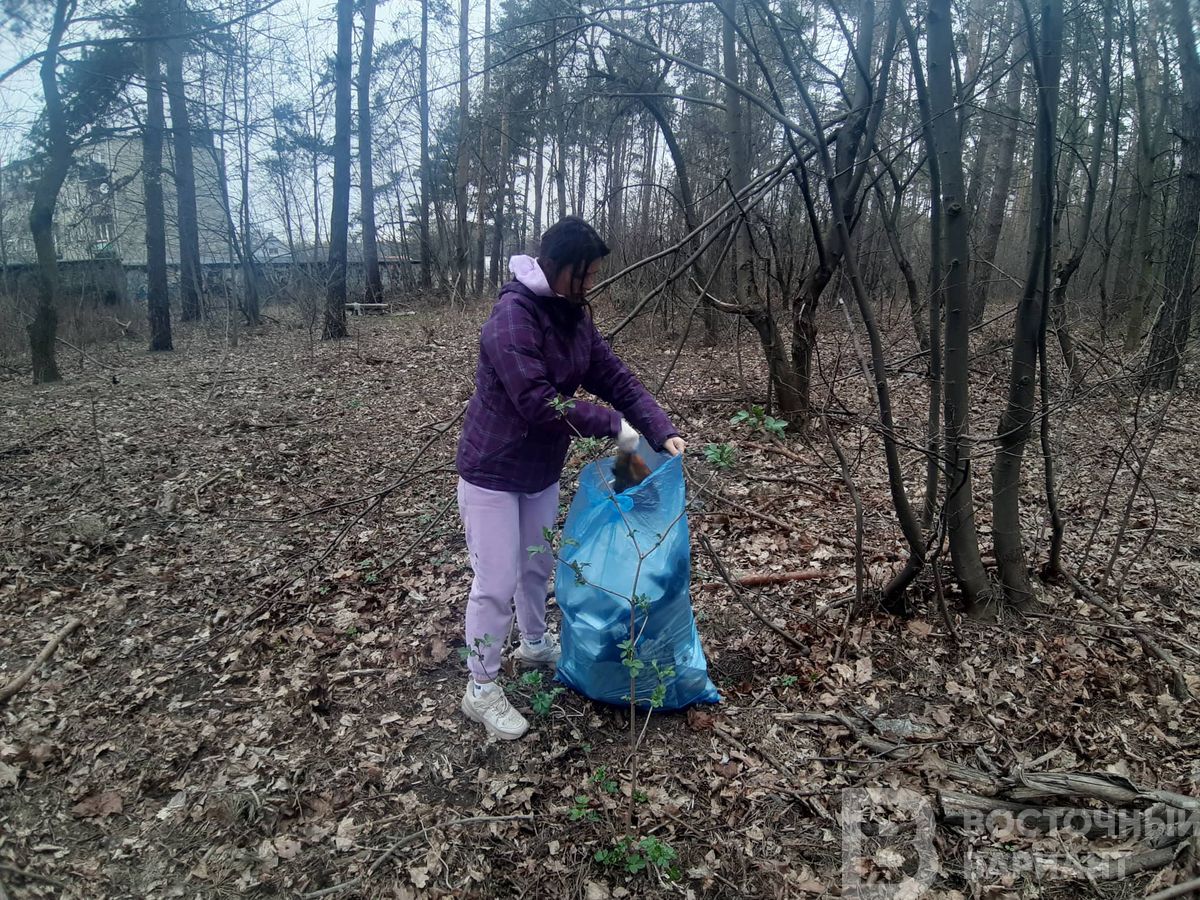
pixel 597 568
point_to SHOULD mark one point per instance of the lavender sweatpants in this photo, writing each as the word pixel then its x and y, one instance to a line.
pixel 500 528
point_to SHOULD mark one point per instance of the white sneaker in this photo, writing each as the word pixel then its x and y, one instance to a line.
pixel 492 710
pixel 545 652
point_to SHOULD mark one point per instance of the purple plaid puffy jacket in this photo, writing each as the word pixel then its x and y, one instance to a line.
pixel 514 438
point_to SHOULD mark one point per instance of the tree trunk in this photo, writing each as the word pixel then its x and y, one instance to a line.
pixel 423 102
pixel 1068 269
pixel 44 327
pixel 370 244
pixel 890 222
pixel 560 123
pixel 1138 263
pixel 158 306
pixel 1017 419
pixel 503 189
pixel 584 162
pixel 185 175
pixel 988 126
pixel 539 174
pixel 858 130
pixel 655 107
pixel 782 375
pixel 837 181
pixel 1171 330
pixel 993 223
pixel 335 299
pixel 249 270
pixel 649 151
pixel 955 229
pixel 484 200
pixel 462 251
pixel 936 285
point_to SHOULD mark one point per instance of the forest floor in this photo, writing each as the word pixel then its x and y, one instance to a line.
pixel 262 697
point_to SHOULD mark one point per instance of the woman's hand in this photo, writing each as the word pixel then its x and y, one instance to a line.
pixel 675 445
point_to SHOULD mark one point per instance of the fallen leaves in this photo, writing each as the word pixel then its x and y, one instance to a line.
pixel 100 805
pixel 316 717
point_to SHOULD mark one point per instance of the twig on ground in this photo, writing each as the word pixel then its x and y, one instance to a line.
pixel 441 514
pixel 21 680
pixel 767 579
pixel 85 356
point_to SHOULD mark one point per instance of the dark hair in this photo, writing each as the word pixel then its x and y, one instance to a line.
pixel 573 244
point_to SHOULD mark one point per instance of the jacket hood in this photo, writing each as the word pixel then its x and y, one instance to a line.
pixel 527 271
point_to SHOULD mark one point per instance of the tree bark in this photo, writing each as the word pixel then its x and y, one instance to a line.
pixel 503 190
pixel 1171 329
pixel 462 174
pixel 993 223
pixel 158 306
pixel 423 102
pixel 373 280
pixel 539 175
pixel 339 226
pixel 1149 125
pixel 1067 270
pixel 44 327
pixel 185 173
pixel 955 228
pixel 1017 419
pixel 250 302
pixel 936 285
pixel 484 173
pixel 560 122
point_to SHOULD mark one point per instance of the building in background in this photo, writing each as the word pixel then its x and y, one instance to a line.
pixel 101 208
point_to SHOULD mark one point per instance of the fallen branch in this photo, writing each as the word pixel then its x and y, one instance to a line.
pixel 740 595
pixel 421 537
pixel 767 579
pixel 962 809
pixel 21 680
pixel 86 356
pixel 408 839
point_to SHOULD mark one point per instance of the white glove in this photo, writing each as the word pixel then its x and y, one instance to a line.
pixel 628 438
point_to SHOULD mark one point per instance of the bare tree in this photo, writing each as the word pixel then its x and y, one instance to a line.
pixel 423 101
pixel 59 150
pixel 462 170
pixel 997 203
pixel 366 175
pixel 339 226
pixel 955 230
pixel 158 306
pixel 1151 116
pixel 1030 328
pixel 1067 269
pixel 185 172
pixel 1174 322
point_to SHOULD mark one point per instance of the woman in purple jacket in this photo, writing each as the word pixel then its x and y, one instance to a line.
pixel 536 350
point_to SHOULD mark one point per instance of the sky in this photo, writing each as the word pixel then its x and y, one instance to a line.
pixel 21 95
